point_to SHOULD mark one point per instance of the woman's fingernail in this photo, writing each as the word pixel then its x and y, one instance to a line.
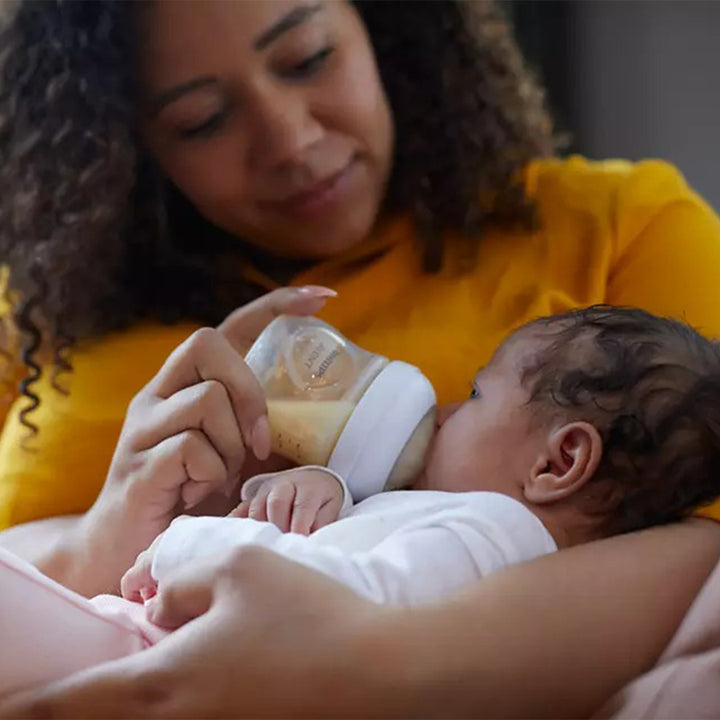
pixel 260 438
pixel 317 291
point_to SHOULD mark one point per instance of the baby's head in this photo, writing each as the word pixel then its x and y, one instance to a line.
pixel 604 419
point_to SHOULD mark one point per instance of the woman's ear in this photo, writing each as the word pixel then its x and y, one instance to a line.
pixel 570 459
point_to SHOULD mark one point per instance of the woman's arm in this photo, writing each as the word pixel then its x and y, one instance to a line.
pixel 555 637
pixel 49 545
pixel 549 638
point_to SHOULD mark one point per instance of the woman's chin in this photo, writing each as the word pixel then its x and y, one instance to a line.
pixel 317 241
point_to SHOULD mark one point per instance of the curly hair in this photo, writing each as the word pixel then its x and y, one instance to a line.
pixel 96 239
pixel 651 386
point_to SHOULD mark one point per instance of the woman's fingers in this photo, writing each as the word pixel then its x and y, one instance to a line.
pixel 187 595
pixel 205 406
pixel 205 356
pixel 242 327
pixel 187 459
pixel 192 588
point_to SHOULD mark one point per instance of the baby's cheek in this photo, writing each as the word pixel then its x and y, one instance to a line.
pixel 440 472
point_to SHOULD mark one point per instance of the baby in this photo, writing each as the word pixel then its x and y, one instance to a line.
pixel 582 425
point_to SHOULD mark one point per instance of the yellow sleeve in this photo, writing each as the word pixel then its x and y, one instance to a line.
pixel 61 470
pixel 668 249
pixel 668 253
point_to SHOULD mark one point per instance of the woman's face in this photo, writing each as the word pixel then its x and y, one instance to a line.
pixel 270 117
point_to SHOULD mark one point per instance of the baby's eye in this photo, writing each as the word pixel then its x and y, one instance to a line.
pixel 474 393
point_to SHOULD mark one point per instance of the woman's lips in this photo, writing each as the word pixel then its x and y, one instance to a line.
pixel 321 197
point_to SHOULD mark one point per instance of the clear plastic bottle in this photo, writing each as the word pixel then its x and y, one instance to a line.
pixel 332 403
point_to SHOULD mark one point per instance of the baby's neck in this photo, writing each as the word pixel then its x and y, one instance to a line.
pixel 567 525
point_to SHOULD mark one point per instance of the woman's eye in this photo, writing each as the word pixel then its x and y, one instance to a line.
pixel 474 393
pixel 309 66
pixel 205 129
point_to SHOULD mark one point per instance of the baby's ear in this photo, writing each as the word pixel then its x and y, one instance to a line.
pixel 570 458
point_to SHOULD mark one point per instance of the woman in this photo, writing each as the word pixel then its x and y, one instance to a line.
pixel 173 160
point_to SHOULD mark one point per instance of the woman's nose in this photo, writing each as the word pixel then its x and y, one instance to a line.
pixel 286 129
pixel 445 412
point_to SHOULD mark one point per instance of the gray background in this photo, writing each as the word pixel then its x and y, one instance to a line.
pixel 632 78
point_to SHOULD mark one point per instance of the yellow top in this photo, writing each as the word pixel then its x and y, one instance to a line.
pixel 611 232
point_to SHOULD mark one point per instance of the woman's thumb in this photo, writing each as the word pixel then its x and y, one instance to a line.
pixel 185 596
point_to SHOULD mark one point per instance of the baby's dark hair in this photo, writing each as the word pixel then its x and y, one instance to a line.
pixel 651 386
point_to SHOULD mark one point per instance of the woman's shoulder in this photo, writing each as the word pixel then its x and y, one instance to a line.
pixel 622 203
pixel 607 187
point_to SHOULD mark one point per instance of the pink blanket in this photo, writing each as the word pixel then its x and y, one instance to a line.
pixel 685 683
pixel 48 632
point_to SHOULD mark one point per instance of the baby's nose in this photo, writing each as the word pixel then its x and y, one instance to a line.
pixel 445 412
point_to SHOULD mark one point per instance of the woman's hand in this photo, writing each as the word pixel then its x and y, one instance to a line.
pixel 248 651
pixel 188 433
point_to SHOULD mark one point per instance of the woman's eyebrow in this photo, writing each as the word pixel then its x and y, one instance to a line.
pixel 287 22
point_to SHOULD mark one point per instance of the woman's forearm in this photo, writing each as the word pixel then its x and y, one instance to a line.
pixel 551 638
pixel 55 547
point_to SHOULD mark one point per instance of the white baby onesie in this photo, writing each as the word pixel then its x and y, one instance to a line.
pixel 402 547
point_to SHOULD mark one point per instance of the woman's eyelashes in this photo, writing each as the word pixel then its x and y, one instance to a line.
pixel 310 66
pixel 300 71
pixel 206 128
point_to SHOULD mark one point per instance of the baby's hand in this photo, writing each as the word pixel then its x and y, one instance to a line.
pixel 138 583
pixel 300 501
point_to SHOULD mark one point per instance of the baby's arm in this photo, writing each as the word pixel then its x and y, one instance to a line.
pixel 430 558
pixel 299 500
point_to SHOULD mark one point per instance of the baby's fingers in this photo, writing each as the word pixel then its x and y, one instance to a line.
pixel 328 513
pixel 308 502
pixel 280 501
pixel 257 509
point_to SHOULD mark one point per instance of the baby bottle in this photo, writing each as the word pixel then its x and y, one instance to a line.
pixel 332 403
